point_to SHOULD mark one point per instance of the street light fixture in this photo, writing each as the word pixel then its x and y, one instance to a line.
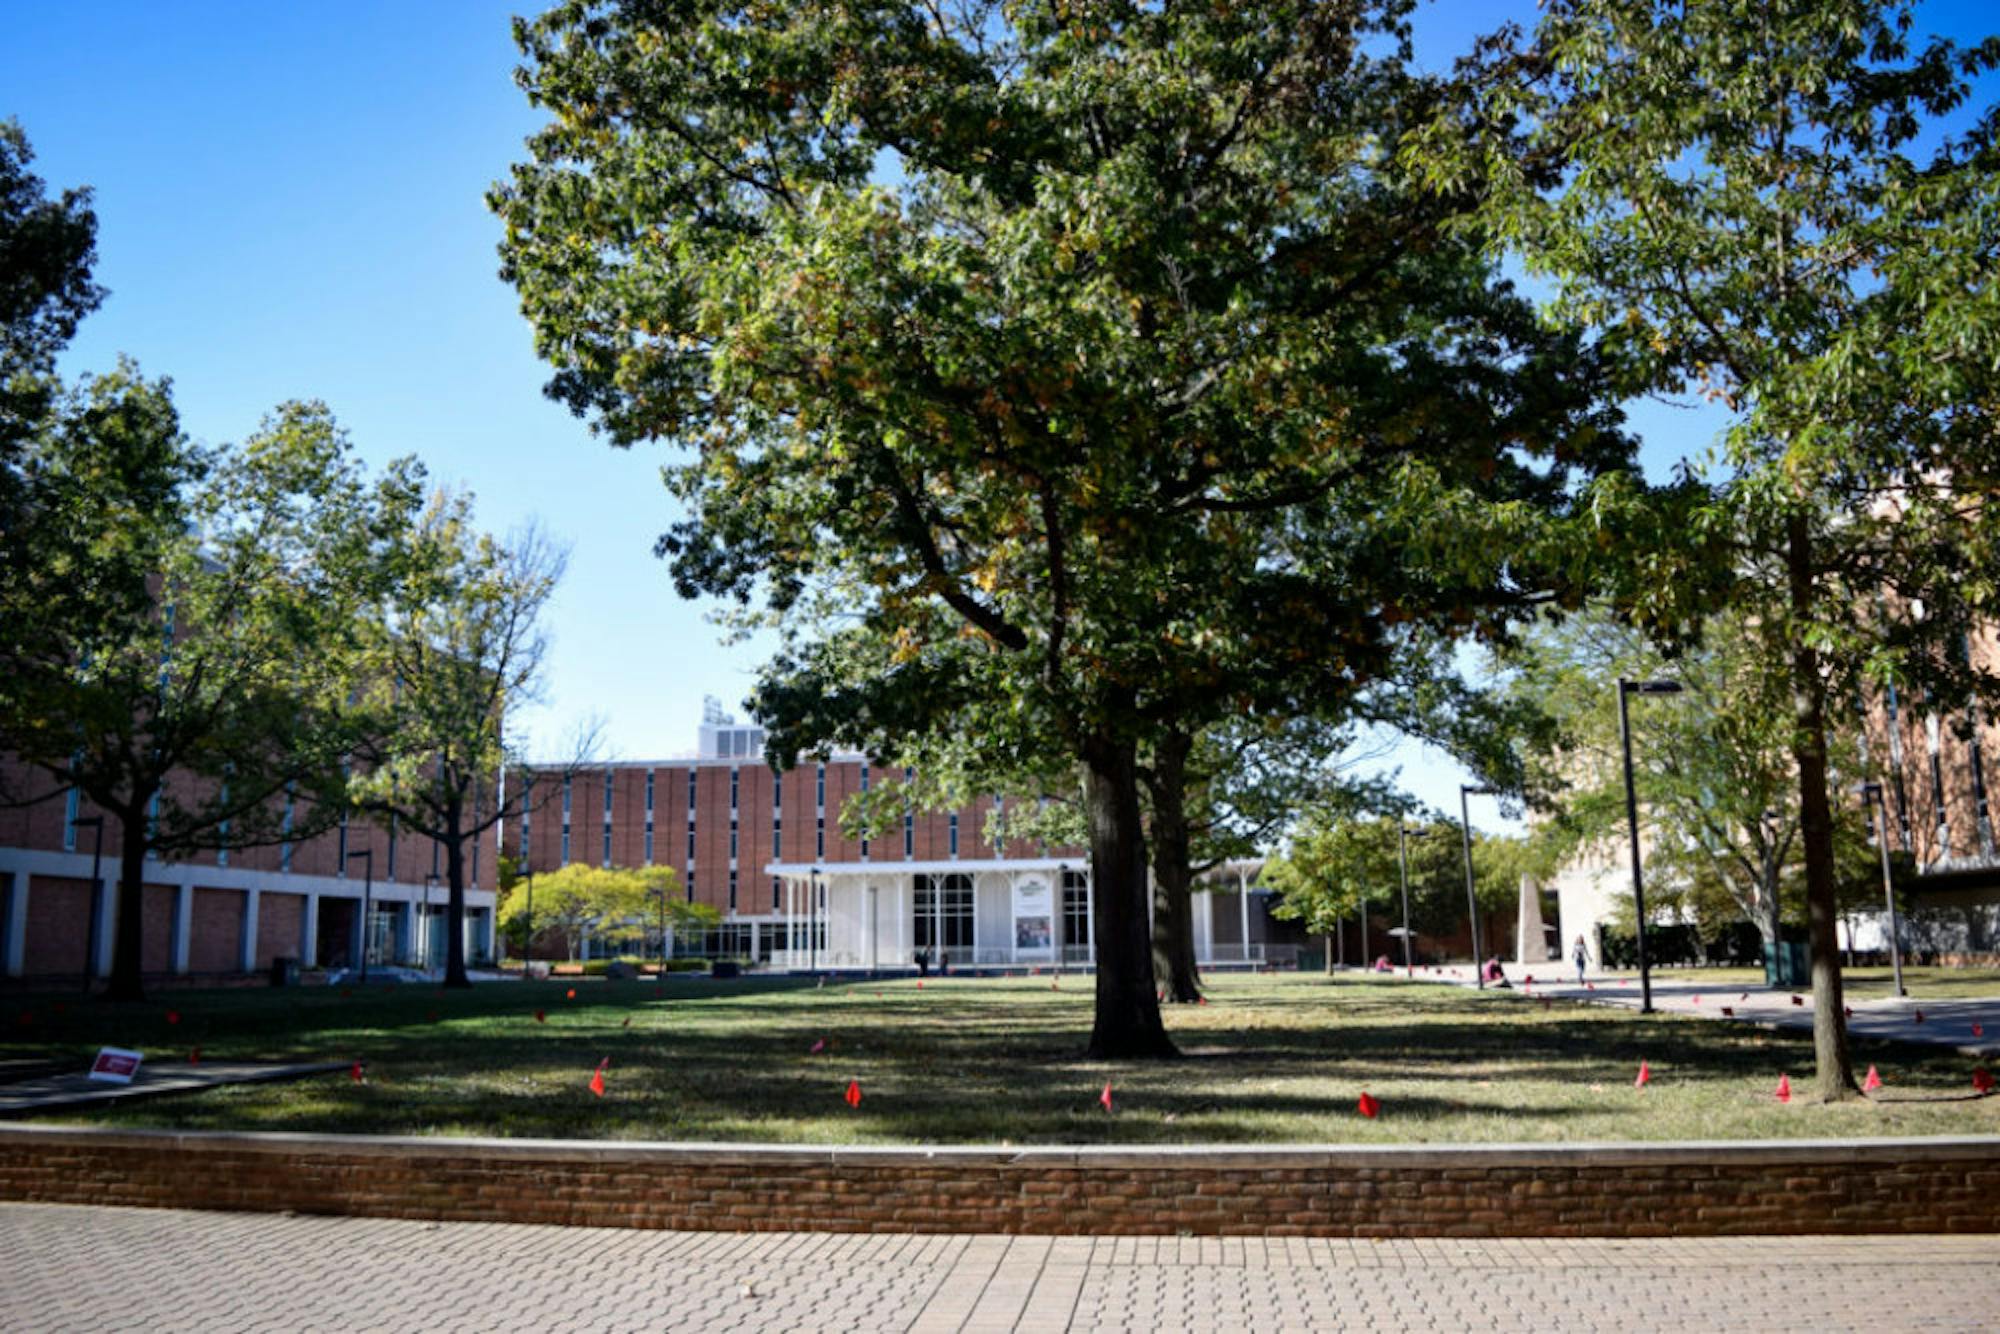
pixel 367 858
pixel 1471 900
pixel 528 913
pixel 1403 837
pixel 429 880
pixel 96 893
pixel 1626 689
pixel 1872 792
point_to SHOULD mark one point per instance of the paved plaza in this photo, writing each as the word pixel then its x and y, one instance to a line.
pixel 76 1268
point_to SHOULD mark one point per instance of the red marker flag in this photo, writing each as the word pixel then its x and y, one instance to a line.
pixel 1982 1080
pixel 1697 1000
pixel 920 986
pixel 570 994
pixel 1368 1107
pixel 1847 1012
pixel 194 1057
pixel 817 1047
pixel 1784 1088
pixel 1920 1016
pixel 1201 1000
pixel 173 1016
pixel 1873 1082
pixel 597 1081
pixel 1645 1076
pixel 1590 986
pixel 853 1093
pixel 355 1073
pixel 1105 1097
pixel 1979 1030
pixel 541 1017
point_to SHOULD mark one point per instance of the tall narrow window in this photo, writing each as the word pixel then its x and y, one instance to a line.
pixel 1981 814
pixel 565 845
pixel 819 788
pixel 691 774
pixel 649 794
pixel 732 891
pixel 819 837
pixel 909 818
pixel 735 779
pixel 732 842
pixel 72 805
pixel 608 774
pixel 649 842
pixel 607 847
pixel 566 779
pixel 285 828
pixel 951 830
pixel 392 847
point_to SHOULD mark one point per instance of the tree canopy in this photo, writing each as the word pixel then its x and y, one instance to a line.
pixel 1106 360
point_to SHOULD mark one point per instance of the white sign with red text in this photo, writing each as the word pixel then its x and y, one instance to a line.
pixel 116 1065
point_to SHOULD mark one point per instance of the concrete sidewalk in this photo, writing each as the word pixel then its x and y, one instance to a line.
pixel 80 1268
pixel 1968 1026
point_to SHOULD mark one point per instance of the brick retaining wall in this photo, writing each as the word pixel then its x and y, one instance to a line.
pixel 1869 1186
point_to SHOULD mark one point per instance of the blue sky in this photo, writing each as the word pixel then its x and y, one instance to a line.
pixel 290 205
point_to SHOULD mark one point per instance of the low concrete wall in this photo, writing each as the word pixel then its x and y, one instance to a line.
pixel 1713 1189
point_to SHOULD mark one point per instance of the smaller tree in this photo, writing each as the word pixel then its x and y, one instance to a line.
pixel 454 649
pixel 181 653
pixel 578 899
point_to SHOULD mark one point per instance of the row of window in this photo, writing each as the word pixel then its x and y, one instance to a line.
pixel 735 790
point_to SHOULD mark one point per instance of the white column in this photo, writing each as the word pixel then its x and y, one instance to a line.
pixel 1243 909
pixel 1090 912
pixel 874 928
pixel 106 890
pixel 791 920
pixel 1013 936
pixel 182 934
pixel 14 922
pixel 246 949
pixel 309 933
pixel 1204 926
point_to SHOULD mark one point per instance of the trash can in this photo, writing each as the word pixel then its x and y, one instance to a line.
pixel 1788 963
pixel 284 972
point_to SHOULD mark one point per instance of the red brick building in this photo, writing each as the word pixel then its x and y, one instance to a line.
pixel 230 911
pixel 766 850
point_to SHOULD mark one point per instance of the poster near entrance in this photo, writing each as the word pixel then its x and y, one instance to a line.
pixel 1033 919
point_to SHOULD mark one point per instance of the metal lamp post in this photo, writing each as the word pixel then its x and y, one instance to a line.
pixel 1471 899
pixel 429 880
pixel 1403 837
pixel 1626 689
pixel 96 892
pixel 367 858
pixel 528 913
pixel 1872 792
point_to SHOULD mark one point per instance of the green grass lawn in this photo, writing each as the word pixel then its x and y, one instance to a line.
pixel 1271 1059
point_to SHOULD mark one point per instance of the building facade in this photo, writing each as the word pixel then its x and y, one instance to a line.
pixel 231 911
pixel 766 850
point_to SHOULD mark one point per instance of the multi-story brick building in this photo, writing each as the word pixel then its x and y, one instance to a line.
pixel 229 911
pixel 766 850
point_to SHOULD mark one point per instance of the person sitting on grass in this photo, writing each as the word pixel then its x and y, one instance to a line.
pixel 1494 976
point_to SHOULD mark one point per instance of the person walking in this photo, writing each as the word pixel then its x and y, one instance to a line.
pixel 1582 956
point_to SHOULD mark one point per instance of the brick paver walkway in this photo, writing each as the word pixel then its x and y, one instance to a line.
pixel 73 1268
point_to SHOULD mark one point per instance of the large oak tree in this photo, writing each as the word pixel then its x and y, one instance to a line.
pixel 1104 353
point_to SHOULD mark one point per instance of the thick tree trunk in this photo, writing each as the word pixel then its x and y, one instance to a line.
pixel 1173 906
pixel 129 923
pixel 1835 1074
pixel 1127 1022
pixel 454 915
